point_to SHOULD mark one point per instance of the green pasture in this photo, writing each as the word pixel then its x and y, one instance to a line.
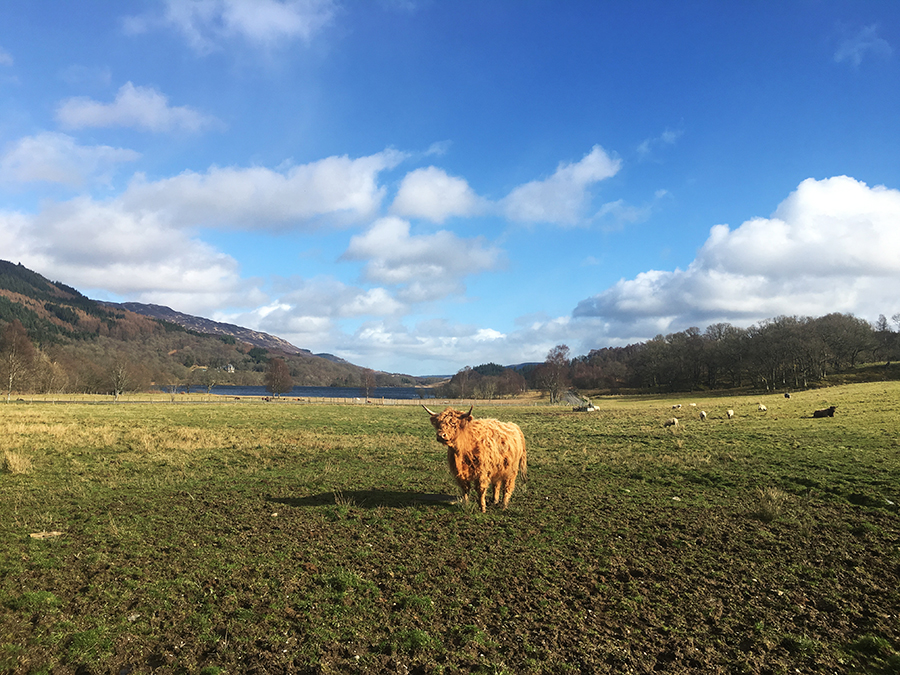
pixel 195 537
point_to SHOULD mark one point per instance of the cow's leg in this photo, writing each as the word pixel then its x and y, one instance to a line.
pixel 498 486
pixel 483 485
pixel 507 493
pixel 464 486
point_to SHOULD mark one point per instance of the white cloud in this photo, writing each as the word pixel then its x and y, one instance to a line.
pixel 862 44
pixel 649 145
pixel 431 345
pixel 134 107
pixel 616 215
pixel 432 194
pixel 97 245
pixel 57 158
pixel 425 267
pixel 6 58
pixel 563 197
pixel 339 189
pixel 207 24
pixel 308 312
pixel 831 246
pixel 439 148
pixel 329 297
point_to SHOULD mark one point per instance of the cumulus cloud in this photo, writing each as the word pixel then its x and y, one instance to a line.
pixel 141 108
pixel 207 24
pixel 309 312
pixel 339 189
pixel 91 244
pixel 831 246
pixel 563 197
pixel 430 344
pixel 423 267
pixel 329 297
pixel 432 194
pixel 863 43
pixel 139 244
pixel 6 58
pixel 57 158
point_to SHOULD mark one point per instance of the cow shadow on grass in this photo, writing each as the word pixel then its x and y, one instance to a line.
pixel 370 499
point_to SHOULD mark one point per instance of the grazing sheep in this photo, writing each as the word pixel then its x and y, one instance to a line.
pixel 762 408
pixel 676 406
pixel 729 413
pixel 671 423
pixel 826 412
pixel 693 405
pixel 787 395
pixel 703 415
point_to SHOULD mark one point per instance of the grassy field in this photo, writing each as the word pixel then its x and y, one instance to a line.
pixel 247 538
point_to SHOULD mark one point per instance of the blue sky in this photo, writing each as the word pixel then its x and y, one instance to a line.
pixel 418 186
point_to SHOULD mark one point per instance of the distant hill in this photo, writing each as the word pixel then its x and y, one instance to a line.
pixel 81 339
pixel 52 311
pixel 210 327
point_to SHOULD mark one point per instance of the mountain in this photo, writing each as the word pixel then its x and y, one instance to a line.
pixel 80 341
pixel 209 327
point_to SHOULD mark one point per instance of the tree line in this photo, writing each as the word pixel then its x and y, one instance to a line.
pixel 160 356
pixel 784 353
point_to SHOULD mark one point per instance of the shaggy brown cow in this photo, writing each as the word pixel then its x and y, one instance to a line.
pixel 481 453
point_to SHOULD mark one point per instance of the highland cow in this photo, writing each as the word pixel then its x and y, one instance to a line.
pixel 826 412
pixel 481 453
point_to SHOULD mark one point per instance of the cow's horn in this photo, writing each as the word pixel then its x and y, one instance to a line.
pixel 430 412
pixel 471 408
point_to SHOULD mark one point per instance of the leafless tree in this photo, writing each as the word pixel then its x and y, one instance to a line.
pixel 17 354
pixel 368 381
pixel 554 375
pixel 278 377
pixel 119 377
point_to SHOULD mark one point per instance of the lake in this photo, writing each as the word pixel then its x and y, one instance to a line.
pixel 320 392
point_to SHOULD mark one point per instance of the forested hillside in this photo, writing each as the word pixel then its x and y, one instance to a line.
pixel 787 353
pixel 54 339
pixel 780 354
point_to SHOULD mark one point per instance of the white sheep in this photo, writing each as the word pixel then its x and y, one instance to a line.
pixel 762 408
pixel 671 423
pixel 730 413
pixel 676 406
pixel 703 415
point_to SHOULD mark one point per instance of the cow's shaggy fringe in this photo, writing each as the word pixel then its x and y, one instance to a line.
pixel 481 453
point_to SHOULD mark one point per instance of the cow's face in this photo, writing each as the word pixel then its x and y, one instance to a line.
pixel 449 424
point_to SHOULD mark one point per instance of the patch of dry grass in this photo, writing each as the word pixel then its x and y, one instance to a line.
pixel 770 504
pixel 15 463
